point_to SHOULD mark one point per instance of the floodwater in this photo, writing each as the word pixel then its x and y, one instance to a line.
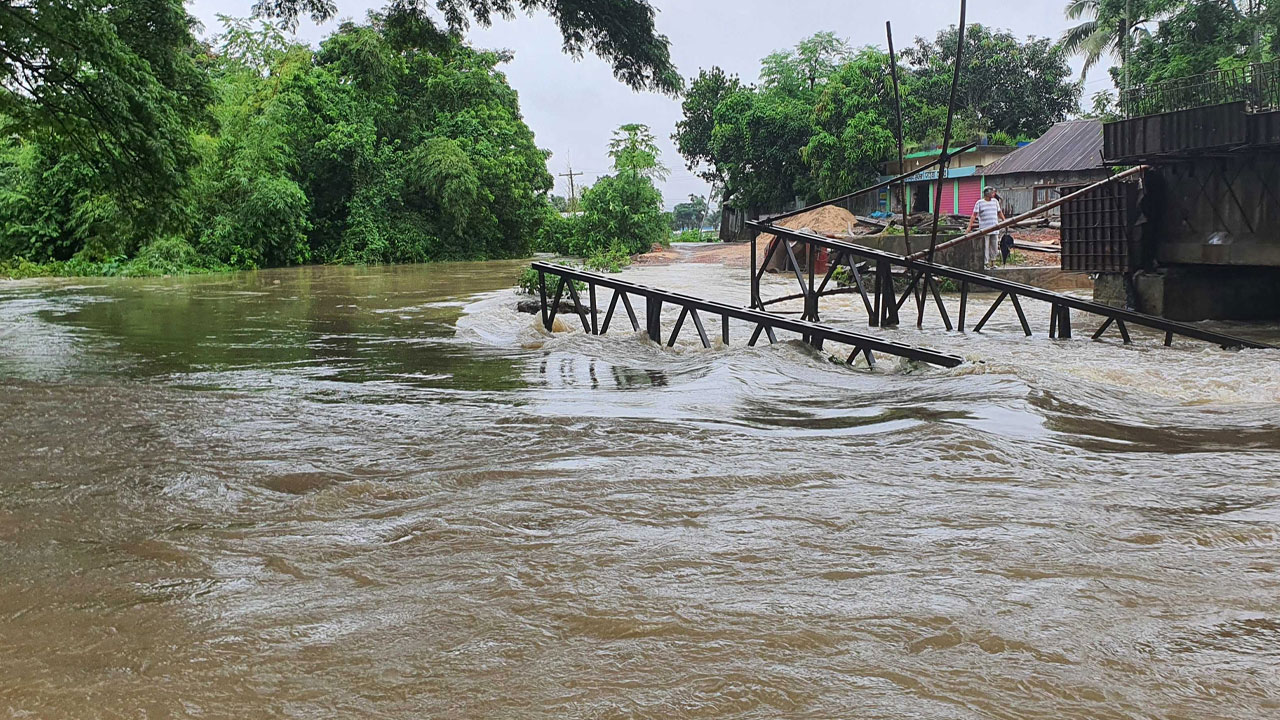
pixel 382 493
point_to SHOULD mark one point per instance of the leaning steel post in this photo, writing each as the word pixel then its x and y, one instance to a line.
pixel 897 104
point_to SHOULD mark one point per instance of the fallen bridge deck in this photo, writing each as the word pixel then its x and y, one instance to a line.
pixel 883 304
pixel 766 324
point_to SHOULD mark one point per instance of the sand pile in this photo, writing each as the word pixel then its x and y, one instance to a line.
pixel 829 220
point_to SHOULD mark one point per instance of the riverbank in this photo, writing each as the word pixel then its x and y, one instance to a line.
pixel 151 267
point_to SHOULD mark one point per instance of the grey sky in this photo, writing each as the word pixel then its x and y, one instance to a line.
pixel 573 107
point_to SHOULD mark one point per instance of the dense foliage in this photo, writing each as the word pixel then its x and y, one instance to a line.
pixel 620 31
pixel 1154 40
pixel 1005 84
pixel 131 147
pixel 1196 37
pixel 821 120
pixel 115 84
pixel 392 142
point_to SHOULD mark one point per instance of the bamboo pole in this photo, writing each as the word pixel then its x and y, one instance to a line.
pixel 946 136
pixel 897 104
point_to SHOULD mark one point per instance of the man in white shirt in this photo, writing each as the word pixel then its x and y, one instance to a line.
pixel 988 213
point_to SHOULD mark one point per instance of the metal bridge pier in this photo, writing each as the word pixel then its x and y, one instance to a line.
pixel 653 317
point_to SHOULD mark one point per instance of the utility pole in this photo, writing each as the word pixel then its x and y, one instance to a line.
pixel 1125 30
pixel 573 191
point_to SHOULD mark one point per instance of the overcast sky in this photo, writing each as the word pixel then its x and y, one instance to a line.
pixel 573 107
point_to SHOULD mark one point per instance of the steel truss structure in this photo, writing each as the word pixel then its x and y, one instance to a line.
pixel 883 303
pixel 766 324
pixel 877 292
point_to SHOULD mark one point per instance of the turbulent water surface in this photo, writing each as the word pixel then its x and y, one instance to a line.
pixel 336 492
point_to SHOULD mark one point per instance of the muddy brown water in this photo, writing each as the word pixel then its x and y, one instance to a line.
pixel 380 492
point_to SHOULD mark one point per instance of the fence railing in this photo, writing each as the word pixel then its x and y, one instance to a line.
pixel 1257 85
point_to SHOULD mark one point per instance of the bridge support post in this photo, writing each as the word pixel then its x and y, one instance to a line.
pixel 542 295
pixel 653 317
pixel 810 290
pixel 888 299
pixel 595 327
pixel 755 279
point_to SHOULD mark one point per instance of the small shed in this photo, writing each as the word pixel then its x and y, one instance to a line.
pixel 1069 154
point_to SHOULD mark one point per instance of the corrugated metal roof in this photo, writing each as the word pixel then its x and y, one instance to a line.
pixel 1067 146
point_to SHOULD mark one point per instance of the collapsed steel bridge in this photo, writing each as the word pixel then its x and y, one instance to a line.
pixel 883 303
pixel 923 273
pixel 766 324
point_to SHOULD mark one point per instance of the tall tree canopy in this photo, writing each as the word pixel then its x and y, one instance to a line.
pixel 690 215
pixel 801 70
pixel 1106 27
pixel 1196 37
pixel 622 32
pixel 1021 88
pixel 123 137
pixel 393 142
pixel 694 131
pixel 1161 39
pixel 851 122
pixel 116 83
pixel 821 121
pixel 622 213
pixel 635 151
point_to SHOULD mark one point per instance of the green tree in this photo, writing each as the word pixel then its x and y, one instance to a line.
pixel 1159 39
pixel 624 213
pixel 245 43
pixel 391 143
pixel 801 70
pixel 114 83
pixel 635 151
pixel 690 214
pixel 1196 37
pixel 693 134
pixel 252 210
pixel 758 140
pixel 1005 84
pixel 622 32
pixel 1106 28
pixel 851 125
pixel 53 205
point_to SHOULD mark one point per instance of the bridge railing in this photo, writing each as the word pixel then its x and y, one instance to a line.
pixel 692 308
pixel 883 304
pixel 1258 85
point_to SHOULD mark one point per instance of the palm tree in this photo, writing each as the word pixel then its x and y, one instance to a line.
pixel 1108 28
